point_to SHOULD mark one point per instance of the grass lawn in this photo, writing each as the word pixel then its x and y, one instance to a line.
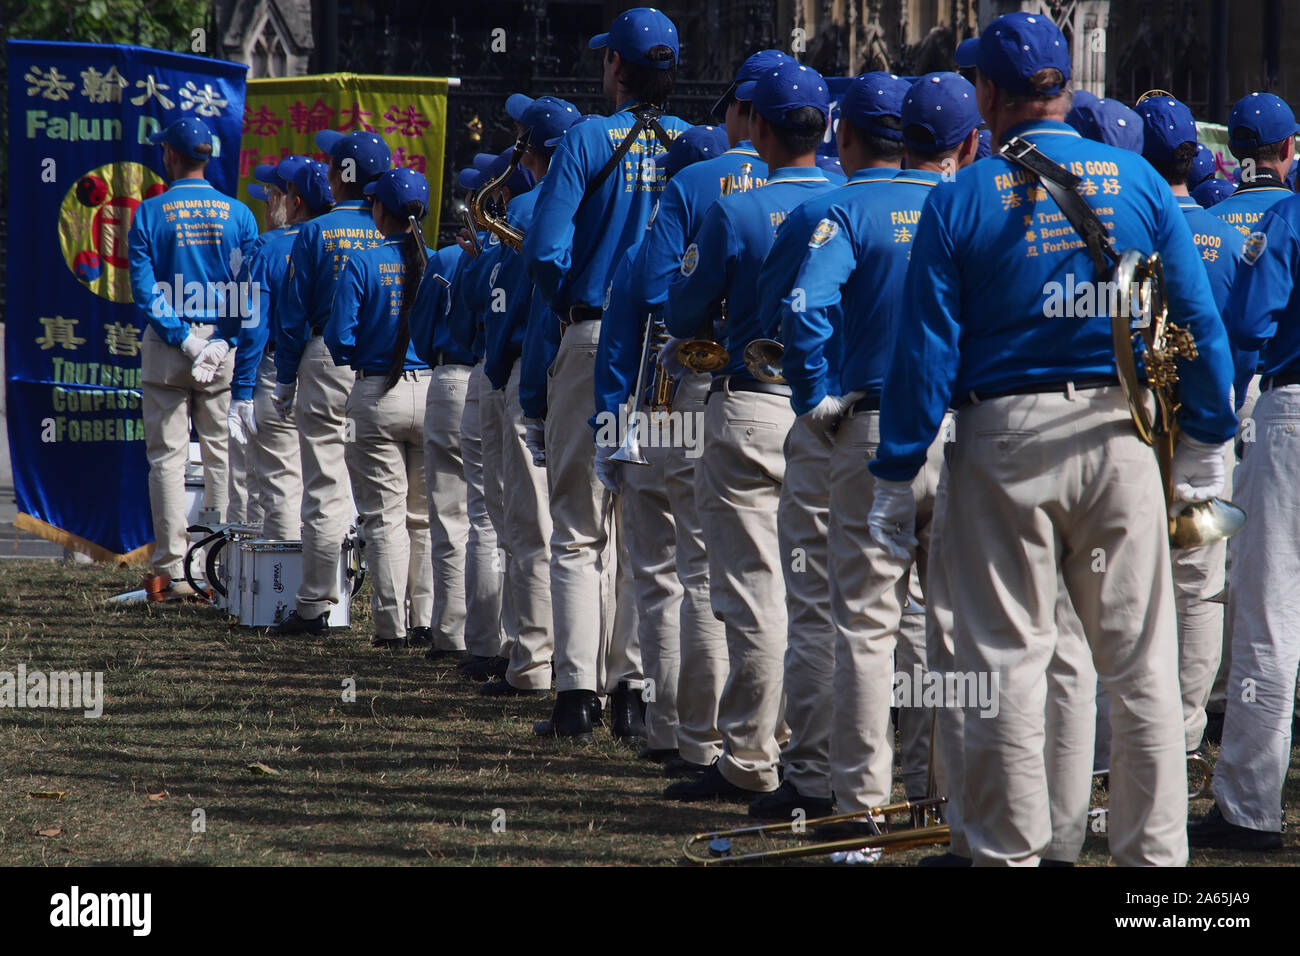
pixel 253 731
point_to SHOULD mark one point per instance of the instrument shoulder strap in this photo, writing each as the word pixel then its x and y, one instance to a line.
pixel 647 115
pixel 1063 186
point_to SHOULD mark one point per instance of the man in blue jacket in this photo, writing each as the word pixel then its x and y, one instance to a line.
pixel 190 234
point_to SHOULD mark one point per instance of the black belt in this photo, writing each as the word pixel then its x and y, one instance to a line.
pixel 729 383
pixel 411 374
pixel 317 330
pixel 579 314
pixel 869 404
pixel 1279 380
pixel 1040 388
pixel 442 358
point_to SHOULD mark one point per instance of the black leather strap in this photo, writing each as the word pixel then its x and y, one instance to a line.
pixel 646 116
pixel 1280 380
pixel 1062 185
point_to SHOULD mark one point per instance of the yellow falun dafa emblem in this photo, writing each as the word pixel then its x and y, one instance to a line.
pixel 824 233
pixel 690 259
pixel 95 221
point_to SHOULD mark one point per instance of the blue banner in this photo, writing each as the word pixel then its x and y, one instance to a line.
pixel 80 163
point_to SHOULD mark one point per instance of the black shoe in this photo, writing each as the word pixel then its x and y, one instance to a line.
pixel 657 755
pixel 503 688
pixel 945 860
pixel 571 717
pixel 679 766
pixel 295 624
pixel 1044 861
pixel 711 785
pixel 484 668
pixel 1213 729
pixel 453 655
pixel 1213 832
pixel 419 637
pixel 845 830
pixel 782 802
pixel 388 643
pixel 628 710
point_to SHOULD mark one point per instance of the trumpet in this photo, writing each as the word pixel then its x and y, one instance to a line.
pixel 702 354
pixel 629 450
pixel 1140 281
pixel 485 218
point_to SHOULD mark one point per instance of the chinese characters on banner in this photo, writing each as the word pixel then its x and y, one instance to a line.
pixel 80 163
pixel 283 116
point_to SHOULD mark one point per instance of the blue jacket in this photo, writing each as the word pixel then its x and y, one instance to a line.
pixel 1263 311
pixel 268 268
pixel 315 265
pixel 430 319
pixel 680 210
pixel 570 253
pixel 725 258
pixel 363 321
pixel 510 298
pixel 1246 207
pixel 991 254
pixel 839 318
pixel 213 226
pixel 541 345
pixel 622 331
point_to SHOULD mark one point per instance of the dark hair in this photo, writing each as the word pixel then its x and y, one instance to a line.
pixel 1175 172
pixel 312 211
pixel 354 189
pixel 645 83
pixel 412 273
pixel 189 164
pixel 879 147
pixel 806 130
pixel 1270 152
pixel 1040 86
pixel 931 152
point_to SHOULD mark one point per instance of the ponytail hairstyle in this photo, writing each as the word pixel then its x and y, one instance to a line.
pixel 412 261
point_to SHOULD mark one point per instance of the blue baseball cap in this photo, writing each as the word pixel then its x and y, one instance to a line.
pixel 942 105
pixel 185 136
pixel 691 146
pixel 1291 175
pixel 1212 191
pixel 1262 119
pixel 967 53
pixel 1110 122
pixel 1168 124
pixel 491 165
pixel 517 104
pixel 1202 166
pixel 634 32
pixel 275 174
pixel 547 118
pixel 469 178
pixel 1081 98
pixel 872 96
pixel 754 66
pixel 312 180
pixel 396 187
pixel 985 147
pixel 790 86
pixel 368 151
pixel 1017 45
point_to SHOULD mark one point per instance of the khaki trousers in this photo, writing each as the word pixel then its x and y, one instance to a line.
pixel 327 498
pixel 485 565
pixel 385 459
pixel 170 400
pixel 1045 485
pixel 593 650
pixel 914 724
pixel 873 638
pixel 650 535
pixel 447 496
pixel 803 518
pixel 242 506
pixel 737 492
pixel 1265 609
pixel 703 663
pixel 275 462
pixel 527 537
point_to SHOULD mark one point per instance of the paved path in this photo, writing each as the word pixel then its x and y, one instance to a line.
pixel 15 544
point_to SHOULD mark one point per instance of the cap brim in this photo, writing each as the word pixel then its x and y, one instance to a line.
pixel 483 160
pixel 966 53
pixel 719 110
pixel 158 138
pixel 745 91
pixel 327 138
pixel 370 187
pixel 598 41
pixel 257 191
pixel 265 173
pixel 516 104
pixel 469 178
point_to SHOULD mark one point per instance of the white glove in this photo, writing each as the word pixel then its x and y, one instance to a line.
pixel 209 360
pixel 608 471
pixel 282 398
pixel 1197 472
pixel 893 518
pixel 535 439
pixel 669 361
pixel 192 346
pixel 241 420
pixel 824 417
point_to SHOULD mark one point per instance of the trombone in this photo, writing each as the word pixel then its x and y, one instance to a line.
pixel 707 355
pixel 629 450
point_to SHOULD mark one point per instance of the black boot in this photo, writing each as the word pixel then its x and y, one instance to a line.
pixel 1215 833
pixel 484 668
pixel 295 624
pixel 420 637
pixel 628 720
pixel 1213 729
pixel 571 717
pixel 781 803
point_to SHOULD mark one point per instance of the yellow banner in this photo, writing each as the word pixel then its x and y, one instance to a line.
pixel 283 116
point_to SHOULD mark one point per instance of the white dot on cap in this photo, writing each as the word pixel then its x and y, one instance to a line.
pixel 1031 19
pixel 938 109
pixel 1025 47
pixel 934 79
pixel 1122 121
